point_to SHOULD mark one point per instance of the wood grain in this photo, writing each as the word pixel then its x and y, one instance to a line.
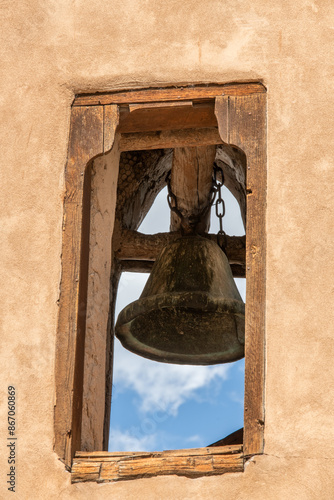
pixel 191 183
pixel 110 124
pixel 169 139
pixel 85 142
pixel 231 159
pixel 247 130
pixel 167 116
pixel 106 467
pixel 221 112
pixel 160 105
pixel 168 94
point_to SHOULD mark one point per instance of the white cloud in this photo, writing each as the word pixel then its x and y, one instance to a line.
pixel 162 388
pixel 236 398
pixel 194 439
pixel 125 441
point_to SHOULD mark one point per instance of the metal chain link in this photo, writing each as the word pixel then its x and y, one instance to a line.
pixel 188 224
pixel 220 205
pixel 217 186
pixel 172 198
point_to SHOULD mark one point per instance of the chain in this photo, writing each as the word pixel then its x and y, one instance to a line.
pixel 188 224
pixel 220 205
pixel 171 199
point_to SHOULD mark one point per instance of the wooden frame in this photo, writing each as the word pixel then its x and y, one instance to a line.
pixel 240 110
pixel 105 467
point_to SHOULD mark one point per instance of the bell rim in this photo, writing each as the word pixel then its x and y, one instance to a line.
pixel 183 300
pixel 135 346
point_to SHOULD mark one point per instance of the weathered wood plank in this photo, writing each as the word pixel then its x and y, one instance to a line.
pixel 247 130
pixel 85 142
pixel 133 245
pixel 105 467
pixel 168 94
pixel 103 191
pixel 86 471
pixel 221 112
pixel 160 105
pixel 218 450
pixel 181 466
pixel 169 139
pixel 230 158
pixel 110 123
pixel 113 455
pixel 167 116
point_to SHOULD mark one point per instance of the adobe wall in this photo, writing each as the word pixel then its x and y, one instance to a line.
pixel 51 50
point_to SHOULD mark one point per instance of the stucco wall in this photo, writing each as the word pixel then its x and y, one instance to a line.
pixel 52 49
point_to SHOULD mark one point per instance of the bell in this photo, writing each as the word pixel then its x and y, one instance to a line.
pixel 190 311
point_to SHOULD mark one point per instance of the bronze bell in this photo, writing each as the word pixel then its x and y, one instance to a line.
pixel 190 311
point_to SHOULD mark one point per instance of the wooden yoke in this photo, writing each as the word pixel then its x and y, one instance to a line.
pixel 191 183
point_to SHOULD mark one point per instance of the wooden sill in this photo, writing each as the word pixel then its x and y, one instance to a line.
pixel 101 466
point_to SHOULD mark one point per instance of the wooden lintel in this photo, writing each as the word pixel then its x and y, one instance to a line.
pixel 171 115
pixel 106 467
pixel 169 139
pixel 159 105
pixel 136 246
pixel 169 94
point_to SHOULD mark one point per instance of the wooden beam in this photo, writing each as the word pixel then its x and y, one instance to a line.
pixel 136 266
pixel 191 184
pixel 145 266
pixel 169 139
pixel 168 94
pixel 166 116
pixel 106 467
pixel 136 246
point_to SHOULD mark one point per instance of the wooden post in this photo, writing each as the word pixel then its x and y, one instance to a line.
pixel 242 122
pixel 191 183
pixel 87 140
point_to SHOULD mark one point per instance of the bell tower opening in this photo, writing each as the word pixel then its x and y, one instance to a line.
pixel 158 406
pixel 143 135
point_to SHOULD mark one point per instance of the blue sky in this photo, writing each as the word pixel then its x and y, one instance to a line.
pixel 159 406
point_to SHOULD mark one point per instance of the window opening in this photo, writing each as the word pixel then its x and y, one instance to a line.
pixel 157 219
pixel 232 116
pixel 158 406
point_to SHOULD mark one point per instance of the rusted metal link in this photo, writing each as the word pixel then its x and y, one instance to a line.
pixel 220 205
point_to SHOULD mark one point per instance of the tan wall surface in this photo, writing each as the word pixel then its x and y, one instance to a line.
pixel 52 49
